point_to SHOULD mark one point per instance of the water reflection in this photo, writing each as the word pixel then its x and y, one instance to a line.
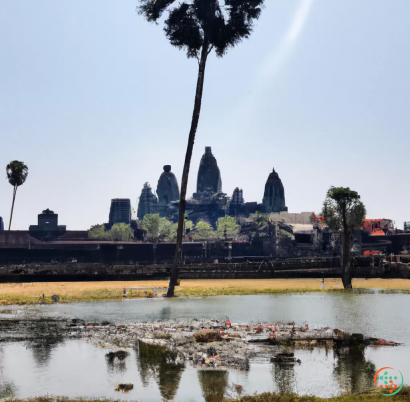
pixel 88 372
pixel 352 371
pixel 116 361
pixel 155 362
pixel 213 384
pixel 284 377
pixel 165 313
pixel 7 388
pixel 42 349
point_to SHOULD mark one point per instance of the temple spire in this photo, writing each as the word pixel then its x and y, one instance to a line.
pixel 209 177
pixel 274 195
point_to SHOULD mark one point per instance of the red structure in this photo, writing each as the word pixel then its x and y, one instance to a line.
pixel 378 227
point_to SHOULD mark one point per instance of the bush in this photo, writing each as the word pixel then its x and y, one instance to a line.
pixel 204 336
pixel 162 336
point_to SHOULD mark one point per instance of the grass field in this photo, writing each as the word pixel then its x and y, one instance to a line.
pixel 372 396
pixel 31 293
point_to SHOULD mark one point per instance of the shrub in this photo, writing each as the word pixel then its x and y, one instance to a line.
pixel 204 336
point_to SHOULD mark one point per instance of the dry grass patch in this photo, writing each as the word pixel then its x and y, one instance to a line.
pixel 31 293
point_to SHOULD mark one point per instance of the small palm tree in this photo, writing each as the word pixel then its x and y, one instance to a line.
pixel 198 27
pixel 17 173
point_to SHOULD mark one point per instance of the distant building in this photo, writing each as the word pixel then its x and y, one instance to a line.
pixel 209 203
pixel 47 226
pixel 406 226
pixel 209 177
pixel 1 224
pixel 147 203
pixel 120 211
pixel 236 201
pixel 167 188
pixel 274 195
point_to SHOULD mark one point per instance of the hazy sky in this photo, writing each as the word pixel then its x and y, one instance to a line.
pixel 95 101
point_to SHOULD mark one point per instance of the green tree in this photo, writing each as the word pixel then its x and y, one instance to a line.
pixel 172 234
pixel 17 173
pixel 98 232
pixel 204 231
pixel 200 26
pixel 261 220
pixel 343 211
pixel 121 232
pixel 229 224
pixel 155 227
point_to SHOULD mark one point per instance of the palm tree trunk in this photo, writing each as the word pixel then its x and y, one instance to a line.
pixel 12 205
pixel 185 173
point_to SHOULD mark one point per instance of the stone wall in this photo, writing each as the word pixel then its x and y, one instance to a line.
pixel 286 268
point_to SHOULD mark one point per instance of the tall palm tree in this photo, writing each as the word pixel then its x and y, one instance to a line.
pixel 17 173
pixel 200 26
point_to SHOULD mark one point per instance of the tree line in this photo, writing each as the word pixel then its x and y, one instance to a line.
pixel 158 229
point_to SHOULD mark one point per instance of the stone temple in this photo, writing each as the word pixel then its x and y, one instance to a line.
pixel 209 177
pixel 208 202
pixel 120 211
pixel 148 202
pixel 167 188
pixel 274 196
pixel 47 226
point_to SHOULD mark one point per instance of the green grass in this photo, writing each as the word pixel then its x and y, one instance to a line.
pixel 197 292
pixel 59 399
pixel 116 294
pixel 372 396
pixel 95 295
pixel 394 291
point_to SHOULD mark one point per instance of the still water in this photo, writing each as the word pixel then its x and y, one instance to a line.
pixel 78 368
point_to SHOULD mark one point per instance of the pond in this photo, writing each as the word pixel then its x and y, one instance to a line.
pixel 78 368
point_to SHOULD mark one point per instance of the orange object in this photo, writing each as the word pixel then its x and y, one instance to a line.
pixel 228 323
pixel 372 252
pixel 378 227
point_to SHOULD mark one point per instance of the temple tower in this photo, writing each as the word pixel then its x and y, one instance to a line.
pixel 167 188
pixel 274 196
pixel 209 177
pixel 236 201
pixel 147 203
pixel 120 211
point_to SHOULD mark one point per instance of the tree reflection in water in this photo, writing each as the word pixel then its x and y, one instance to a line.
pixel 155 362
pixel 213 384
pixel 165 313
pixel 284 377
pixel 116 361
pixel 7 388
pixel 352 371
pixel 43 336
pixel 42 349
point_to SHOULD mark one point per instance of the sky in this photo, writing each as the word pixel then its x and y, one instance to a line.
pixel 95 101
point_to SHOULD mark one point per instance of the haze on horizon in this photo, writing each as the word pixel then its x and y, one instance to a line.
pixel 95 101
